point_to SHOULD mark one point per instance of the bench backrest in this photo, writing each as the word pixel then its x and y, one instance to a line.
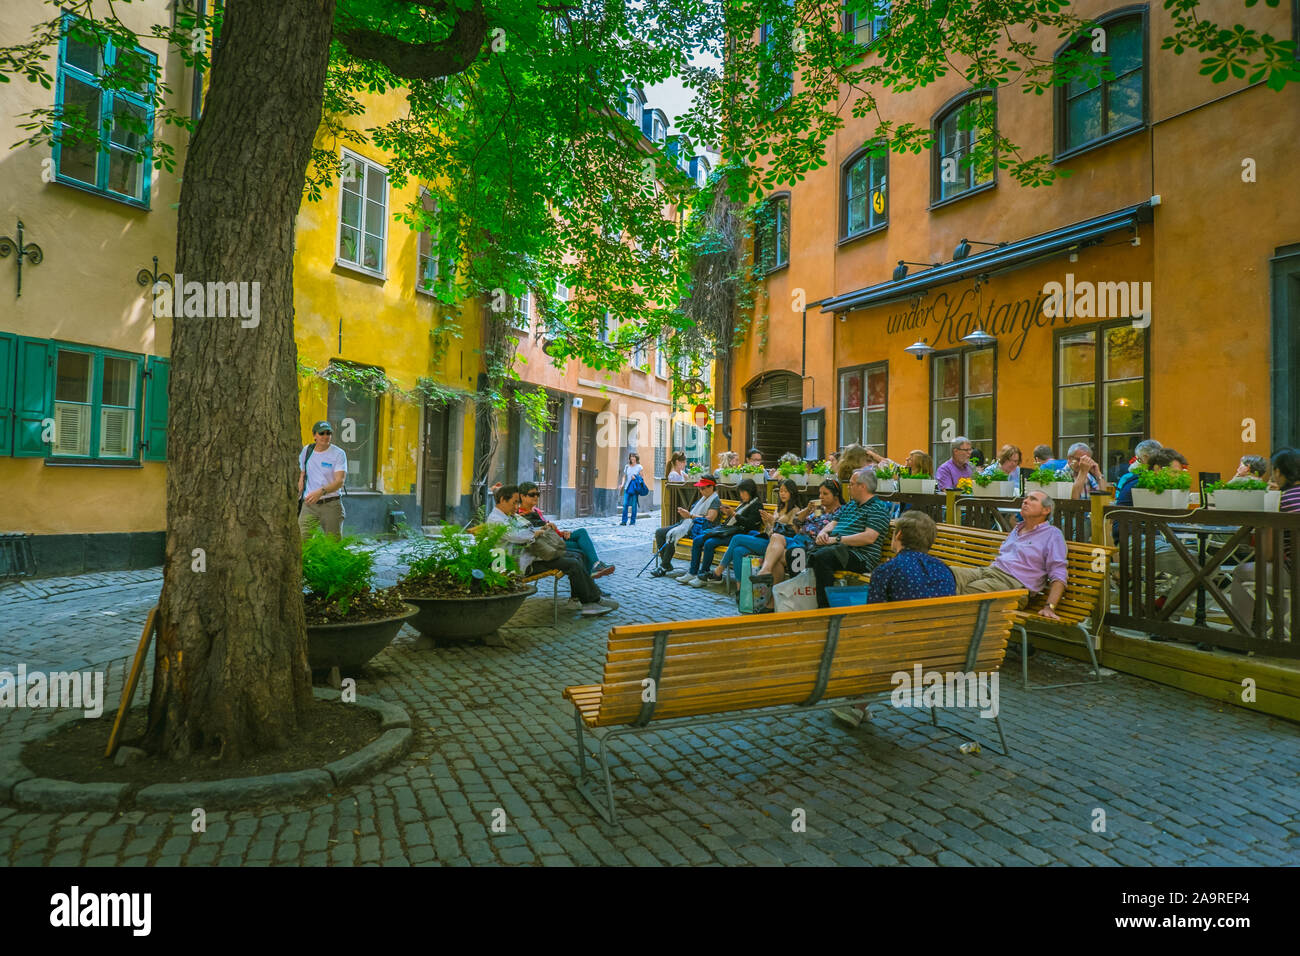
pixel 1087 566
pixel 739 663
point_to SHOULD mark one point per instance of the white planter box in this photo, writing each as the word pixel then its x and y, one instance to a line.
pixel 886 486
pixel 1273 500
pixel 1142 498
pixel 917 486
pixel 800 480
pixel 757 479
pixel 1227 499
pixel 994 489
pixel 1056 490
pixel 730 480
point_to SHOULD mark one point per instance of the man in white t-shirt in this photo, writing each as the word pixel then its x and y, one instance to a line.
pixel 322 469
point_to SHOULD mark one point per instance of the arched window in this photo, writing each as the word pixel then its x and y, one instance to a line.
pixel 772 234
pixel 957 128
pixel 864 204
pixel 634 105
pixel 1094 109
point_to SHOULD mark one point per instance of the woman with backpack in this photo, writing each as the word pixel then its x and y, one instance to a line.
pixel 631 487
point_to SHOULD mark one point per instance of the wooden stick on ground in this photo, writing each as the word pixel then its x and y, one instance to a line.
pixel 132 679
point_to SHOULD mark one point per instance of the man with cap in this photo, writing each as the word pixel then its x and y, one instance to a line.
pixel 322 469
pixel 705 510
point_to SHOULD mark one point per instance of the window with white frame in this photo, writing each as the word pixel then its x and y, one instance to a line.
pixel 661 446
pixel 95 403
pixel 363 214
pixel 661 357
pixel 426 272
pixel 639 355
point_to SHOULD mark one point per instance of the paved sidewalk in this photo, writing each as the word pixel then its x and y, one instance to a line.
pixel 1179 778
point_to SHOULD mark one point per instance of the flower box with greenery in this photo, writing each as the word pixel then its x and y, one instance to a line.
pixel 1056 483
pixel 917 483
pixel 1161 488
pixel 349 620
pixel 795 471
pixel 993 482
pixel 755 472
pixel 1239 494
pixel 694 469
pixel 464 585
pixel 729 476
pixel 822 469
pixel 887 478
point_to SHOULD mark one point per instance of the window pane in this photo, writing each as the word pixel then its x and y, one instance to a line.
pixel 79 150
pixel 351 209
pixel 119 382
pixel 126 172
pixel 116 432
pixel 83 49
pixel 945 410
pixel 374 254
pixel 783 235
pixel 130 124
pixel 857 214
pixel 979 423
pixel 360 409
pixel 71 429
pixel 1078 412
pixel 1083 116
pixel 349 244
pixel 947 376
pixel 1078 358
pixel 1125 351
pixel 129 63
pixel 979 372
pixel 376 184
pixel 851 390
pixel 850 427
pixel 1125 102
pixel 1116 452
pixel 1124 44
pixel 374 218
pixel 875 428
pixel 1125 411
pixel 876 379
pixel 858 177
pixel 72 378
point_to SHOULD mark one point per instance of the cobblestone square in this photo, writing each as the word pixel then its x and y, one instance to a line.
pixel 1180 779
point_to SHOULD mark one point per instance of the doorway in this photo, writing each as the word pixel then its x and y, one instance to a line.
pixel 548 461
pixel 586 477
pixel 434 497
pixel 775 405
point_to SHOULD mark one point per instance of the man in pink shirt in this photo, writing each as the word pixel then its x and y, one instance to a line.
pixel 1032 557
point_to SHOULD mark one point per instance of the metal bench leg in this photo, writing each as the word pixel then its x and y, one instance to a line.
pixel 555 601
pixel 589 788
pixel 1024 655
pixel 582 747
pixel 1001 736
pixel 1087 642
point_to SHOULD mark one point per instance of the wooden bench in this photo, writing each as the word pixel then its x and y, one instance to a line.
pixel 657 676
pixel 683 550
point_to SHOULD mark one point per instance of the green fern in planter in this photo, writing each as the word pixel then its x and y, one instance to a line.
pixel 1239 484
pixel 1162 479
pixel 332 571
pixel 989 475
pixel 454 555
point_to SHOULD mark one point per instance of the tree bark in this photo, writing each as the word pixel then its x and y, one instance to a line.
pixel 231 674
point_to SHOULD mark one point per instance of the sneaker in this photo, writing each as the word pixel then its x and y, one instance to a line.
pixel 660 572
pixel 600 569
pixel 697 582
pixel 609 602
pixel 850 715
pixel 686 578
pixel 593 610
pixel 713 578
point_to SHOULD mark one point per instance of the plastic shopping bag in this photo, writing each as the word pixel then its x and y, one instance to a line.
pixel 752 598
pixel 798 593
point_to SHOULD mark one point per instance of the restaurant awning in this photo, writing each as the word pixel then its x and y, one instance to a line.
pixel 1002 259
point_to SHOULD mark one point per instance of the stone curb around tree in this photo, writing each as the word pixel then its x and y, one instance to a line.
pixel 21 786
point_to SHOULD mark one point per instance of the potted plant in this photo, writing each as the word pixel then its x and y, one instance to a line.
pixel 993 482
pixel 694 469
pixel 822 469
pixel 729 475
pixel 1162 488
pixel 794 470
pixel 349 620
pixel 463 585
pixel 887 478
pixel 755 472
pixel 919 483
pixel 1239 494
pixel 1054 482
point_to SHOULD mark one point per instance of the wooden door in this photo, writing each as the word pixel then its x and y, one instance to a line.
pixel 434 498
pixel 548 465
pixel 586 477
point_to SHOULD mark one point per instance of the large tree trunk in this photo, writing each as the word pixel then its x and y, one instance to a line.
pixel 231 675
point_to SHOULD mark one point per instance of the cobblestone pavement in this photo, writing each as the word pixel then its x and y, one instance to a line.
pixel 1180 779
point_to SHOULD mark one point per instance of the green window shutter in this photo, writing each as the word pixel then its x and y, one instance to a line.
pixel 8 344
pixel 155 409
pixel 33 396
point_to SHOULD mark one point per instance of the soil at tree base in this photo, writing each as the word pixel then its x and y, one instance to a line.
pixel 331 730
pixel 369 605
pixel 443 587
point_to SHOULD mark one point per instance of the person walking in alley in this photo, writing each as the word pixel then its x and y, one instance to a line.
pixel 322 469
pixel 628 487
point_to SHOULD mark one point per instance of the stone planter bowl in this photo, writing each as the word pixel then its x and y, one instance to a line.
pixel 465 618
pixel 349 646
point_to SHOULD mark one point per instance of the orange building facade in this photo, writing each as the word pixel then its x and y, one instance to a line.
pixel 1154 293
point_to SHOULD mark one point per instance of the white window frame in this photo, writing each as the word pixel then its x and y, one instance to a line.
pixel 661 358
pixel 426 193
pixel 361 164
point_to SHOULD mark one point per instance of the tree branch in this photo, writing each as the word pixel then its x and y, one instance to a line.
pixel 423 61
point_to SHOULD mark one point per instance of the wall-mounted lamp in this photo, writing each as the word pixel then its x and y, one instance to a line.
pixel 979 337
pixel 920 349
pixel 900 271
pixel 963 248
